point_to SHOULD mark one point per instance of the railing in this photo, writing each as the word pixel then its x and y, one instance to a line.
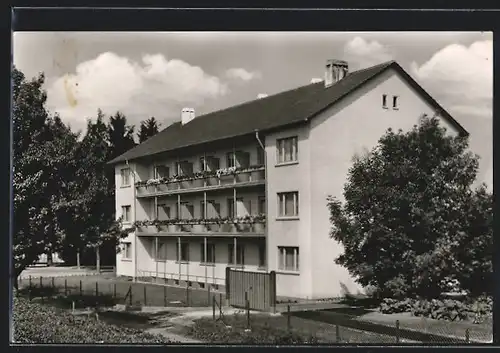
pixel 253 176
pixel 255 228
pixel 157 276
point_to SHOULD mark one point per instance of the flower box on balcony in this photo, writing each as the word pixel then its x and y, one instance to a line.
pixel 173 185
pixel 259 227
pixel 212 227
pixel 185 227
pixel 258 175
pixel 243 177
pixel 226 179
pixel 212 181
pixel 198 228
pixel 226 228
pixel 197 183
pixel 185 184
pixel 142 190
pixel 161 187
pixel 162 228
pixel 243 227
pixel 172 228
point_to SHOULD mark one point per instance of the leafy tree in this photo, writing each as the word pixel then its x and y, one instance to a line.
pixel 43 156
pixel 148 128
pixel 411 221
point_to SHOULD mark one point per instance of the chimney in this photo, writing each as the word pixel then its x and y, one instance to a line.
pixel 187 115
pixel 261 95
pixel 316 80
pixel 336 70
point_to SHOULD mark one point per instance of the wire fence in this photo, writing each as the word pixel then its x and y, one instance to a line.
pixel 95 291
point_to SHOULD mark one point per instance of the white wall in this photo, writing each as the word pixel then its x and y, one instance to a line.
pixel 351 126
pixel 292 177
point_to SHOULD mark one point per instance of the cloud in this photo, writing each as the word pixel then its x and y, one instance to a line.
pixel 361 53
pixel 462 77
pixel 155 86
pixel 242 74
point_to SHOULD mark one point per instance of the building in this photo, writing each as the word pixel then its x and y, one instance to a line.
pixel 247 186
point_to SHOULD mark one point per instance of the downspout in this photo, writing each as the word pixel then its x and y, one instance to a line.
pixel 267 198
pixel 135 216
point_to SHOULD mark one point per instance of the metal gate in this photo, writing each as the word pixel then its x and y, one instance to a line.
pixel 259 288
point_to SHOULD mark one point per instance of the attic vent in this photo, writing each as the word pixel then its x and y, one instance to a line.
pixel 316 80
pixel 261 95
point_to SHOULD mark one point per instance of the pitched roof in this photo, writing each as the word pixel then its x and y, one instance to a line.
pixel 279 110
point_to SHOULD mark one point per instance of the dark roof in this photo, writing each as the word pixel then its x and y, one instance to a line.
pixel 279 110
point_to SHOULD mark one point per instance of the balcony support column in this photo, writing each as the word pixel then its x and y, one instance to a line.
pixel 179 257
pixel 155 211
pixel 156 258
pixel 179 211
pixel 206 261
pixel 205 205
pixel 235 246
pixel 235 206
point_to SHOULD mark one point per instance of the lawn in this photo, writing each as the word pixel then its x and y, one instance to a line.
pixel 36 323
pixel 273 329
pixel 146 294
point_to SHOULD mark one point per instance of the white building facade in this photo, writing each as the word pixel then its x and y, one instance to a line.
pixel 254 195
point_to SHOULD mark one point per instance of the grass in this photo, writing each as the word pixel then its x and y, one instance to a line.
pixel 267 329
pixel 142 293
pixel 35 323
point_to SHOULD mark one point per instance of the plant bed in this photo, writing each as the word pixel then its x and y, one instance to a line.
pixel 35 323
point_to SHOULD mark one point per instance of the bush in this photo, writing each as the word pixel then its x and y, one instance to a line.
pixel 35 323
pixel 393 306
pixel 217 332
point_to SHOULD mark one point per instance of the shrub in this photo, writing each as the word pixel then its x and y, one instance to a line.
pixel 35 323
pixel 217 332
pixel 393 306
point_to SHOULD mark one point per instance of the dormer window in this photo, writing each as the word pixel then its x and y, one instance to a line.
pixel 384 101
pixel 395 102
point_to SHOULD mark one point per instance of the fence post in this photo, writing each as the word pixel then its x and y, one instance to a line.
pixel 30 281
pixel 81 291
pixel 187 295
pixel 247 305
pixel 164 295
pixel 53 285
pixel 130 290
pixel 96 289
pixel 337 333
pixel 41 282
pixel 288 318
pixel 467 336
pixel 114 290
pixel 397 331
pixel 228 295
pixel 145 295
pixel 220 304
pixel 213 307
pixel 65 287
pixel 208 291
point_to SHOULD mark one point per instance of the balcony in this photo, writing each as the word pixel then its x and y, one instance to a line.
pixel 249 225
pixel 202 181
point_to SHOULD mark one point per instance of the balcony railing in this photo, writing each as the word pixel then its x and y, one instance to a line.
pixel 222 178
pixel 246 225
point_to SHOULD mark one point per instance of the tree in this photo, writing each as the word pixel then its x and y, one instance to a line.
pixel 43 157
pixel 120 135
pixel 410 215
pixel 148 128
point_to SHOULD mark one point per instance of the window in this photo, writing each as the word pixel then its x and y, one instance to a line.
pixel 261 205
pixel 288 204
pixel 287 150
pixel 125 176
pixel 184 252
pixel 230 160
pixel 161 251
pixel 127 250
pixel 384 101
pixel 260 156
pixel 231 213
pixel 209 163
pixel 288 258
pixel 262 255
pixel 184 168
pixel 161 171
pixel 240 254
pixel 190 211
pixel 210 253
pixel 395 102
pixel 212 210
pixel 243 159
pixel 126 213
pixel 163 212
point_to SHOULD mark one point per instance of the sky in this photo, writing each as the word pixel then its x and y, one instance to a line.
pixel 145 74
